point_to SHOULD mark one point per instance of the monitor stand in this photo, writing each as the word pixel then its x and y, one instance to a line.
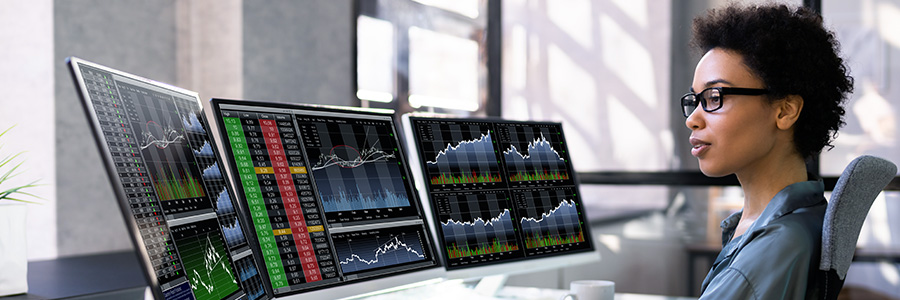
pixel 490 285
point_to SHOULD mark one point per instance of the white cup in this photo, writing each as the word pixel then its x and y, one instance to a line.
pixel 591 290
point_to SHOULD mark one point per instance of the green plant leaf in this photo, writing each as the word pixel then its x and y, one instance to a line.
pixel 20 200
pixel 9 174
pixel 10 159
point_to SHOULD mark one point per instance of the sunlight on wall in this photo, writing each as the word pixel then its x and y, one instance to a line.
pixel 634 145
pixel 566 60
pixel 628 59
pixel 572 91
pixel 517 58
pixel 574 18
pixel 635 9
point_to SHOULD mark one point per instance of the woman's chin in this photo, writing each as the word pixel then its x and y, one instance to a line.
pixel 712 171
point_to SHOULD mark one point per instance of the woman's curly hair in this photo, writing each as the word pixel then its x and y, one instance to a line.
pixel 793 54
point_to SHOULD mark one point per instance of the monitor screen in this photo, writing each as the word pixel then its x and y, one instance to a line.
pixel 328 192
pixel 155 144
pixel 500 191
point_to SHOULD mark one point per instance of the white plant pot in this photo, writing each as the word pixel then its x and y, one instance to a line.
pixel 13 259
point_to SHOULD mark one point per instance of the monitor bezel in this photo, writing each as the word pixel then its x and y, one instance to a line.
pixel 517 266
pixel 344 289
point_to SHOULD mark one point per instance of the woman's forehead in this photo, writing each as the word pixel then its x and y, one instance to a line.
pixel 721 67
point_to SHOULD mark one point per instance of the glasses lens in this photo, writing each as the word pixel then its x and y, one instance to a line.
pixel 712 99
pixel 689 104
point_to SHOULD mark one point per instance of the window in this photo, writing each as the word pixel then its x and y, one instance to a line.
pixel 426 55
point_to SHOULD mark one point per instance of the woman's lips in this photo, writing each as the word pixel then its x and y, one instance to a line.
pixel 698 146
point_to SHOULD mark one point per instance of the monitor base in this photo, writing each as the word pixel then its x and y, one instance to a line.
pixel 490 285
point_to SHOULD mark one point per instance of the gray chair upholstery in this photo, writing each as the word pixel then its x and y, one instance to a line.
pixel 856 189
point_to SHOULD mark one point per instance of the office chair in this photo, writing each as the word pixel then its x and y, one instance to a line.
pixel 856 189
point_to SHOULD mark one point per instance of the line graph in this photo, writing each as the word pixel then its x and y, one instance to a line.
pixel 550 217
pixel 358 168
pixel 457 230
pixel 223 203
pixel 192 123
pixel 214 272
pixel 538 150
pixel 540 230
pixel 333 158
pixel 161 137
pixel 206 262
pixel 212 172
pixel 458 153
pixel 234 235
pixel 475 224
pixel 534 153
pixel 205 150
pixel 371 249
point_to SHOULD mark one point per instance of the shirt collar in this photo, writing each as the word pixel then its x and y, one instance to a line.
pixel 795 196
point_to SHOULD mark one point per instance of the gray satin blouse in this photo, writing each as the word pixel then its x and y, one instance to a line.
pixel 778 256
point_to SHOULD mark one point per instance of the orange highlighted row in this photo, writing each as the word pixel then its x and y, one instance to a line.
pixel 270 170
pixel 285 231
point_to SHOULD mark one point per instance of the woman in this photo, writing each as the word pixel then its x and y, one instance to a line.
pixel 766 95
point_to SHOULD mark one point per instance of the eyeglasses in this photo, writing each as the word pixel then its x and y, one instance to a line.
pixel 711 98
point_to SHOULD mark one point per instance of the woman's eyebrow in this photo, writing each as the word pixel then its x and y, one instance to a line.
pixel 715 81
pixel 712 82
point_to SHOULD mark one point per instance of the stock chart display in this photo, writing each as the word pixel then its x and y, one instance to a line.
pixel 328 191
pixel 460 156
pixel 357 168
pixel 501 190
pixel 160 150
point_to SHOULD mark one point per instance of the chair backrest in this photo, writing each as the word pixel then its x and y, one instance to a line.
pixel 856 189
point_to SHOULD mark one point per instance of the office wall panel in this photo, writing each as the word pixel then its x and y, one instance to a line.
pixel 134 36
pixel 299 51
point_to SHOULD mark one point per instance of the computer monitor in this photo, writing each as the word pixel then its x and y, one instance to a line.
pixel 502 194
pixel 156 147
pixel 330 196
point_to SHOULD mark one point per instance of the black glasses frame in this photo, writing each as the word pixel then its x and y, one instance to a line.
pixel 689 101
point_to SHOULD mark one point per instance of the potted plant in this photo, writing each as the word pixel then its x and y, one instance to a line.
pixel 13 258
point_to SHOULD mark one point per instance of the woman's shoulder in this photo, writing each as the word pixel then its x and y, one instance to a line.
pixel 800 230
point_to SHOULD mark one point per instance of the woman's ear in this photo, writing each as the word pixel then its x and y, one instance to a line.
pixel 788 110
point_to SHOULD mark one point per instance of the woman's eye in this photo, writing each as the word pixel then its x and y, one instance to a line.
pixel 714 101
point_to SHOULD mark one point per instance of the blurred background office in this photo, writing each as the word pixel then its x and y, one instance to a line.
pixel 610 70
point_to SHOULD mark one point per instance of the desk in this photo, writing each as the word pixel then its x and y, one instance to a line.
pixel 454 290
pixel 118 276
pixel 100 276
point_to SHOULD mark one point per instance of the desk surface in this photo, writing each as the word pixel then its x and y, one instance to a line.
pixel 455 290
pixel 118 276
pixel 100 274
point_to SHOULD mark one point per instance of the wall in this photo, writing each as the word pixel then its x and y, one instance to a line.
pixel 134 36
pixel 300 51
pixel 26 77
pixel 285 50
pixel 600 65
